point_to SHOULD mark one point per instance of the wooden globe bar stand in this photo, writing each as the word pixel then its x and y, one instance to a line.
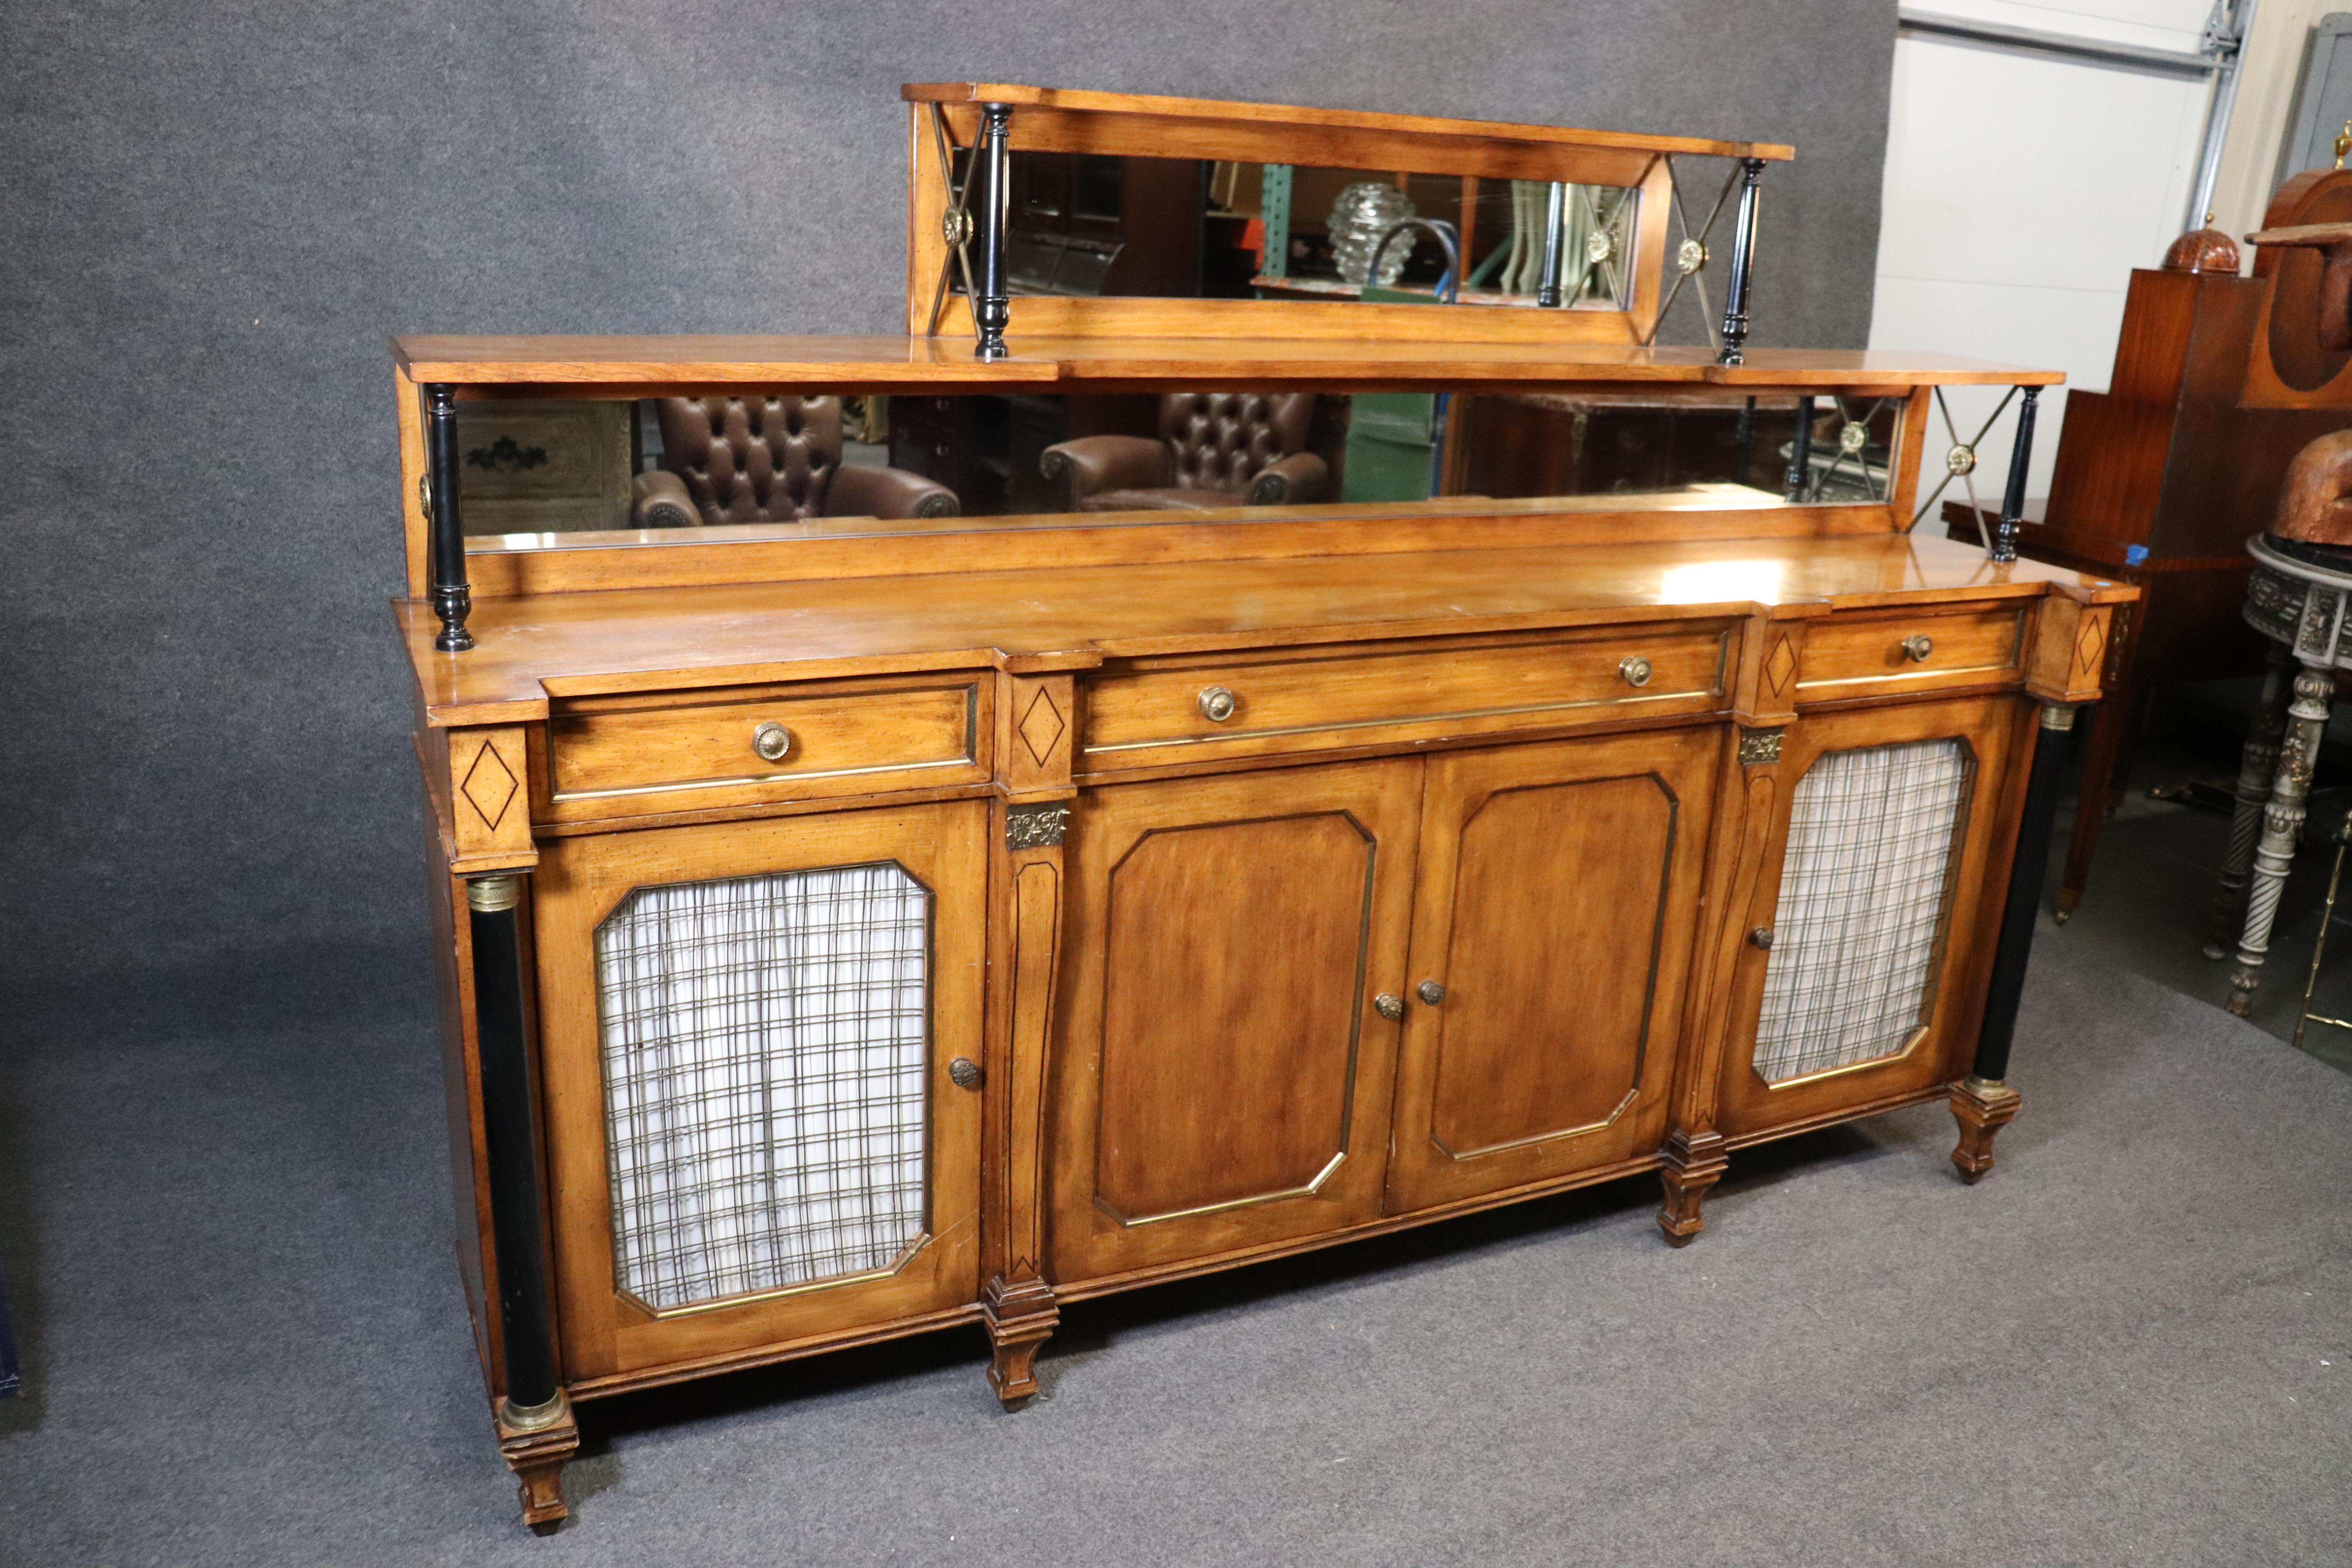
pixel 851 928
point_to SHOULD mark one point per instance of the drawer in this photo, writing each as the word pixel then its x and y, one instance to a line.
pixel 1153 715
pixel 635 755
pixel 1876 653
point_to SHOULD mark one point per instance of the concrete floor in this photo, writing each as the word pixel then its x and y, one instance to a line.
pixel 2152 889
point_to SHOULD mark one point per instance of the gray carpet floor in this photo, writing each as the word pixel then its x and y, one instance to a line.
pixel 244 1343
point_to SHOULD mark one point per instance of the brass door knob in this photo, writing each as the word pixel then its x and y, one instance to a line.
pixel 1917 647
pixel 771 741
pixel 1634 668
pixel 1431 991
pixel 1762 937
pixel 1388 1005
pixel 1216 704
pixel 965 1072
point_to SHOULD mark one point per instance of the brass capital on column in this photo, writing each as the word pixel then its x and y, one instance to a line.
pixel 489 895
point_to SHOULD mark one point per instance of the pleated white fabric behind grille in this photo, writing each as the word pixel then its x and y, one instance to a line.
pixel 763 1045
pixel 1870 837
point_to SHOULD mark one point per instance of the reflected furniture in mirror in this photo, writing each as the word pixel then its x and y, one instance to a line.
pixel 768 460
pixel 1214 449
pixel 856 926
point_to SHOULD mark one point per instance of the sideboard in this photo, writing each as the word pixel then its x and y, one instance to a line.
pixel 852 927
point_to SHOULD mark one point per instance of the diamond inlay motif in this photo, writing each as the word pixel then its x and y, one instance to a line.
pixel 1041 727
pixel 2088 643
pixel 1779 667
pixel 489 786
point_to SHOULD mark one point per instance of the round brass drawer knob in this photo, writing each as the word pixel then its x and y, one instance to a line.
pixel 1216 704
pixel 1634 668
pixel 1917 647
pixel 964 1072
pixel 1388 1005
pixel 1431 991
pixel 772 742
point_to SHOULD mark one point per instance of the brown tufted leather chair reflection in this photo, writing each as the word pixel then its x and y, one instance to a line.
pixel 1216 450
pixel 776 459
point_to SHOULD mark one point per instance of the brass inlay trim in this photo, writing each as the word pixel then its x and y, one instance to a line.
pixel 1309 1191
pixel 2008 665
pixel 1909 1046
pixel 560 796
pixel 1532 1139
pixel 753 1298
pixel 1402 719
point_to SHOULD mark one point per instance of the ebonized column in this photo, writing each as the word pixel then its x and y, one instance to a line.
pixel 1743 262
pixel 1801 452
pixel 1983 1103
pixel 992 312
pixel 453 600
pixel 2021 459
pixel 525 1330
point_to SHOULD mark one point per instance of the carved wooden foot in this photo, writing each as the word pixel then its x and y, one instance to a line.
pixel 1021 1318
pixel 1981 1109
pixel 535 1446
pixel 1693 1165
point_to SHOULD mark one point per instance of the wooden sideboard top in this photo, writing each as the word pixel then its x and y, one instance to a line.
pixel 622 367
pixel 534 647
pixel 1078 101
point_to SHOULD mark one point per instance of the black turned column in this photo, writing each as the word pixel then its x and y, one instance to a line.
pixel 992 312
pixel 1548 293
pixel 1983 1102
pixel 2021 458
pixel 1801 452
pixel 526 1330
pixel 453 601
pixel 1743 262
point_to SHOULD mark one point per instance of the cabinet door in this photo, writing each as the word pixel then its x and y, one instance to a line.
pixel 1881 888
pixel 1556 907
pixel 1224 1078
pixel 746 1031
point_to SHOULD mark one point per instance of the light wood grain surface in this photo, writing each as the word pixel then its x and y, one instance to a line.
pixel 530 647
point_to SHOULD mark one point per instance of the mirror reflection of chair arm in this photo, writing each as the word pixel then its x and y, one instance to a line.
pixel 1093 464
pixel 662 502
pixel 860 491
pixel 1300 477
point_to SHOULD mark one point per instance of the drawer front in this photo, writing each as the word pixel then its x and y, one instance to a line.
pixel 1153 716
pixel 1880 654
pixel 833 743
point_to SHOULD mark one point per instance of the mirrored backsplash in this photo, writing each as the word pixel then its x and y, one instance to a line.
pixel 677 465
pixel 1089 225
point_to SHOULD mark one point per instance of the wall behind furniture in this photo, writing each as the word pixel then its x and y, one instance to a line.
pixel 214 216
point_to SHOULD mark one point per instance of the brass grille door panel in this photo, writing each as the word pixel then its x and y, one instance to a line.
pixel 1223 1079
pixel 763 1077
pixel 1864 886
pixel 754 1135
pixel 1557 888
pixel 1875 905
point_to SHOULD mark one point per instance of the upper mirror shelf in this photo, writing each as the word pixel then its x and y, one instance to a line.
pixel 1129 214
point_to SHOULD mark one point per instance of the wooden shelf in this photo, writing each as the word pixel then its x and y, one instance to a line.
pixel 601 365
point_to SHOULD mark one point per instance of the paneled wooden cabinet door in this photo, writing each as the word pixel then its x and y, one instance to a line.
pixel 1552 931
pixel 1224 1075
pixel 746 1032
pixel 1880 889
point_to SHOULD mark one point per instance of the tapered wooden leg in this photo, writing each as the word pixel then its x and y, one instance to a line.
pixel 1982 1108
pixel 1021 1317
pixel 536 1444
pixel 2281 828
pixel 1693 1165
pixel 2257 766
